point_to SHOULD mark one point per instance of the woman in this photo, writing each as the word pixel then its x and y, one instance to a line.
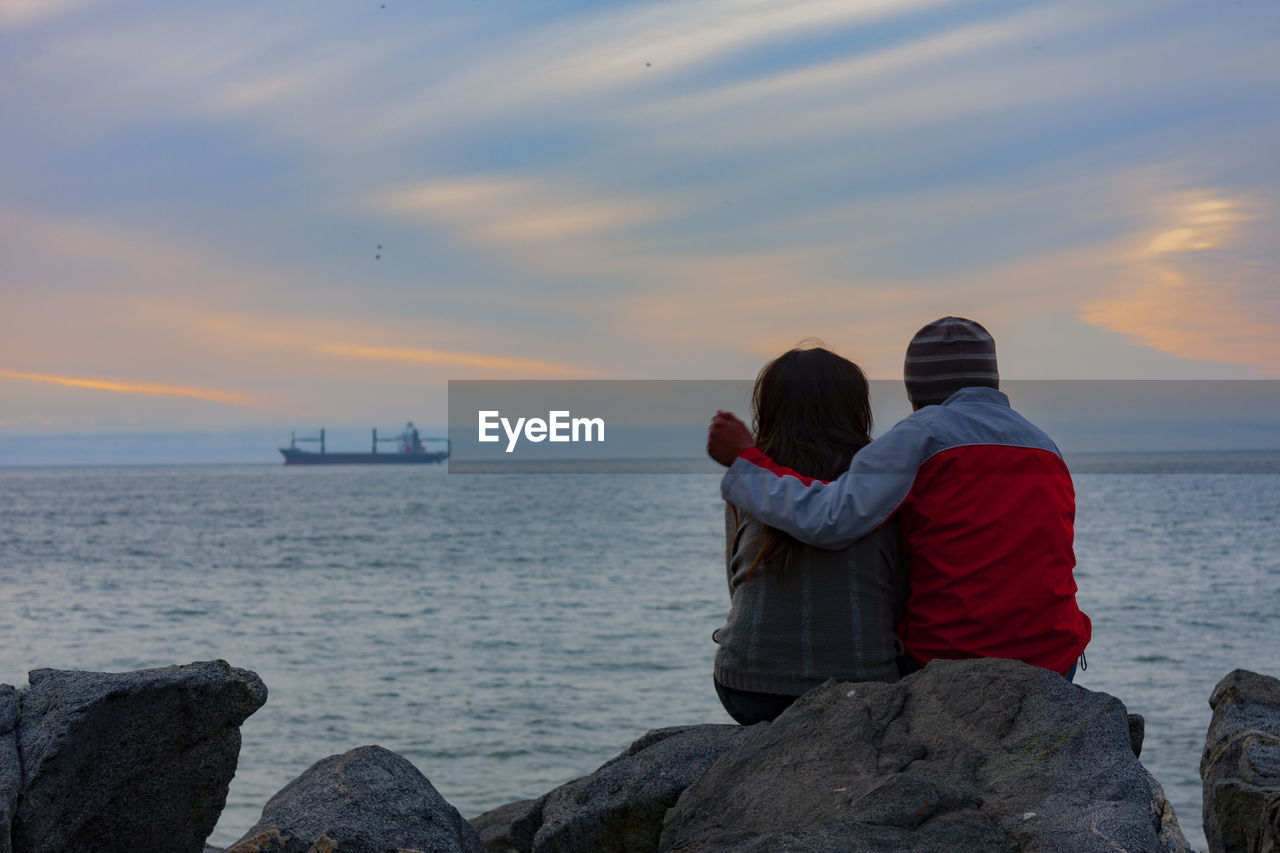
pixel 798 614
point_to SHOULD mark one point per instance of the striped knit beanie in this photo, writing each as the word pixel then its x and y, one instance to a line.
pixel 947 355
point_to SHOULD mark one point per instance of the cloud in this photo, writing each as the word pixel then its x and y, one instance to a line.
pixel 1200 221
pixel 663 188
pixel 867 75
pixel 301 82
pixel 520 367
pixel 490 210
pixel 51 254
pixel 231 398
pixel 263 89
pixel 1189 288
pixel 605 53
pixel 15 14
pixel 1005 252
pixel 185 320
pixel 1207 321
pixel 1015 72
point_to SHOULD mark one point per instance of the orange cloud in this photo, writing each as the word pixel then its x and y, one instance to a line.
pixel 210 394
pixel 1176 314
pixel 444 358
pixel 1183 296
pixel 1200 221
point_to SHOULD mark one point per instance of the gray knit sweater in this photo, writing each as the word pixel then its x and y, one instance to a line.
pixel 829 614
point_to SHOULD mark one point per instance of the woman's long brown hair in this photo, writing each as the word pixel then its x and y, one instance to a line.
pixel 811 413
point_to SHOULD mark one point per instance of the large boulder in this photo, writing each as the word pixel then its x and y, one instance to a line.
pixel 368 800
pixel 978 755
pixel 620 807
pixel 1241 765
pixel 128 761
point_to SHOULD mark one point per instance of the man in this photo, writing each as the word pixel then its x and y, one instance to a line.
pixel 983 499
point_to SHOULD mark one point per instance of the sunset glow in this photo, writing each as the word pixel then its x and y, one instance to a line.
pixel 212 395
pixel 329 215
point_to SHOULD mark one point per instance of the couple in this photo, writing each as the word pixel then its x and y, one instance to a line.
pixel 949 537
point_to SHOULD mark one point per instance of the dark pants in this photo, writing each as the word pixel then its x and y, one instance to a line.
pixel 748 707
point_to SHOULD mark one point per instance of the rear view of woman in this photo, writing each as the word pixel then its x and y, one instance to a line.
pixel 798 614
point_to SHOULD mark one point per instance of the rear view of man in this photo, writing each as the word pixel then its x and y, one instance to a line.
pixel 984 502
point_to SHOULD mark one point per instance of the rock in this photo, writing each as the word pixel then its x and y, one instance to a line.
pixel 368 800
pixel 10 768
pixel 619 807
pixel 1137 733
pixel 1168 835
pixel 975 755
pixel 129 761
pixel 1240 765
pixel 509 828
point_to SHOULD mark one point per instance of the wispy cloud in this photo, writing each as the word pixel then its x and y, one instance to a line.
pixel 763 300
pixel 607 49
pixel 503 211
pixel 1198 221
pixel 519 367
pixel 1190 288
pixel 1203 320
pixel 876 73
pixel 151 389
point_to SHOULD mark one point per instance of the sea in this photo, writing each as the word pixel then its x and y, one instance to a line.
pixel 508 632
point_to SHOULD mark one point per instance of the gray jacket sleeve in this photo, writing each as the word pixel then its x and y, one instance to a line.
pixel 832 514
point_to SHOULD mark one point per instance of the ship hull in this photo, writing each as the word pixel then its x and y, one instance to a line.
pixel 307 457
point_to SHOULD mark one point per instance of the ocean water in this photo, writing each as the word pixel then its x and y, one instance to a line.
pixel 508 633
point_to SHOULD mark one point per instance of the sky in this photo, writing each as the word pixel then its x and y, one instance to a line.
pixel 229 215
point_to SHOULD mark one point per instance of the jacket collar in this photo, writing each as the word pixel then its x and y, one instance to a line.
pixel 977 394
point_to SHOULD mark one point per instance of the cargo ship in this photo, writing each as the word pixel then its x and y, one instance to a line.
pixel 410 450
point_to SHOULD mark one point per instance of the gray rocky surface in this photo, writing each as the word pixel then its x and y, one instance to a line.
pixel 977 755
pixel 620 807
pixel 368 800
pixel 1137 733
pixel 10 768
pixel 1240 765
pixel 510 828
pixel 128 761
